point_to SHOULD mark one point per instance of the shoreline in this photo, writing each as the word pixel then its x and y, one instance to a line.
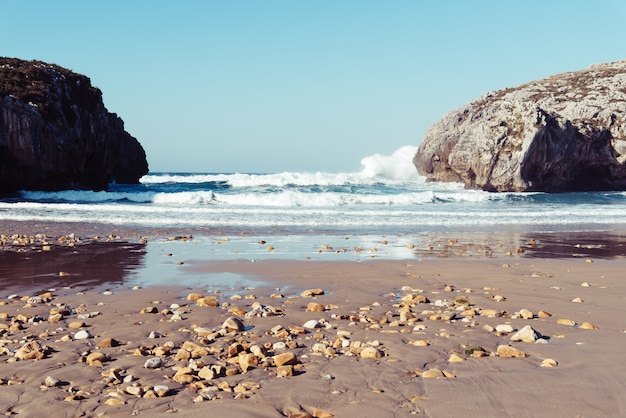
pixel 360 333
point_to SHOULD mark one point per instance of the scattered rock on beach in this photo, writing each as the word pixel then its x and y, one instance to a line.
pixel 312 292
pixel 233 324
pixel 526 334
pixel 508 351
pixel 153 363
pixel 82 335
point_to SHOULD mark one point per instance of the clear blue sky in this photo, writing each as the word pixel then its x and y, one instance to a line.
pixel 268 86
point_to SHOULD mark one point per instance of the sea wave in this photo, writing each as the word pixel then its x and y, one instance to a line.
pixel 388 169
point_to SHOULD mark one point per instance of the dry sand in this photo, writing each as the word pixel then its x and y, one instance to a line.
pixel 416 318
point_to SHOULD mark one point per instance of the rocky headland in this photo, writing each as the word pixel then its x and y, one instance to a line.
pixel 566 132
pixel 55 132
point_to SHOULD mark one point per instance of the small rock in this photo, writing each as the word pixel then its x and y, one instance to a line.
pixel 455 358
pixel 564 321
pixel 526 314
pixel 134 390
pixel 193 297
pixel 206 373
pixel 233 324
pixel 208 301
pixel 107 343
pixel 315 307
pixel 82 335
pixel 508 351
pixel 153 363
pixel 505 328
pixel 246 361
pixel 526 334
pixel 312 292
pixel 311 324
pixel 96 358
pixel 432 374
pixel 161 390
pixel 284 371
pixel 549 363
pixel 285 359
pixel 51 381
pixel 588 325
pixel 370 353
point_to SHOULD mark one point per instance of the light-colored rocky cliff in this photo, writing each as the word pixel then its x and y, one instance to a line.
pixel 563 133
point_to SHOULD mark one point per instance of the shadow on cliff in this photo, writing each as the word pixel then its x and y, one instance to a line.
pixel 561 158
pixel 89 265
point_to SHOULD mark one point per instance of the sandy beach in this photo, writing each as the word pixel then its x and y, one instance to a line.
pixel 461 327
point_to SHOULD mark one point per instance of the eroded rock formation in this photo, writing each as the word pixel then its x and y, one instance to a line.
pixel 55 132
pixel 563 133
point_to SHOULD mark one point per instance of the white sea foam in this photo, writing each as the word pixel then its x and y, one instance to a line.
pixel 386 195
pixel 394 168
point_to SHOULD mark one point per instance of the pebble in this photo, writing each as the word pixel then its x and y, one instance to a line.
pixel 312 292
pixel 233 324
pixel 370 353
pixel 82 335
pixel 284 371
pixel 526 314
pixel 153 363
pixel 161 390
pixel 315 307
pixel 505 328
pixel 433 374
pixel 549 363
pixel 564 321
pixel 51 381
pixel 247 361
pixel 526 334
pixel 96 359
pixel 311 324
pixel 588 325
pixel 455 358
pixel 285 359
pixel 508 351
pixel 107 343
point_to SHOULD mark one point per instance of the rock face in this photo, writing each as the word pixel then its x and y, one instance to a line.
pixel 55 132
pixel 563 133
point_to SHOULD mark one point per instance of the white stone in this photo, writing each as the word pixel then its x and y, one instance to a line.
pixel 506 328
pixel 82 335
pixel 153 363
pixel 311 324
pixel 526 334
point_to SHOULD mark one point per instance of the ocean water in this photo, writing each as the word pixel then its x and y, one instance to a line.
pixel 386 196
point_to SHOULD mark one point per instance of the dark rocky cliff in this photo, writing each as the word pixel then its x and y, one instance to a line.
pixel 563 133
pixel 55 132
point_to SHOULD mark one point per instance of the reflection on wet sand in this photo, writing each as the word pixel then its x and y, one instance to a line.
pixel 89 265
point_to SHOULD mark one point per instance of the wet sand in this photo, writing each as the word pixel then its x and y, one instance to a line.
pixel 392 335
